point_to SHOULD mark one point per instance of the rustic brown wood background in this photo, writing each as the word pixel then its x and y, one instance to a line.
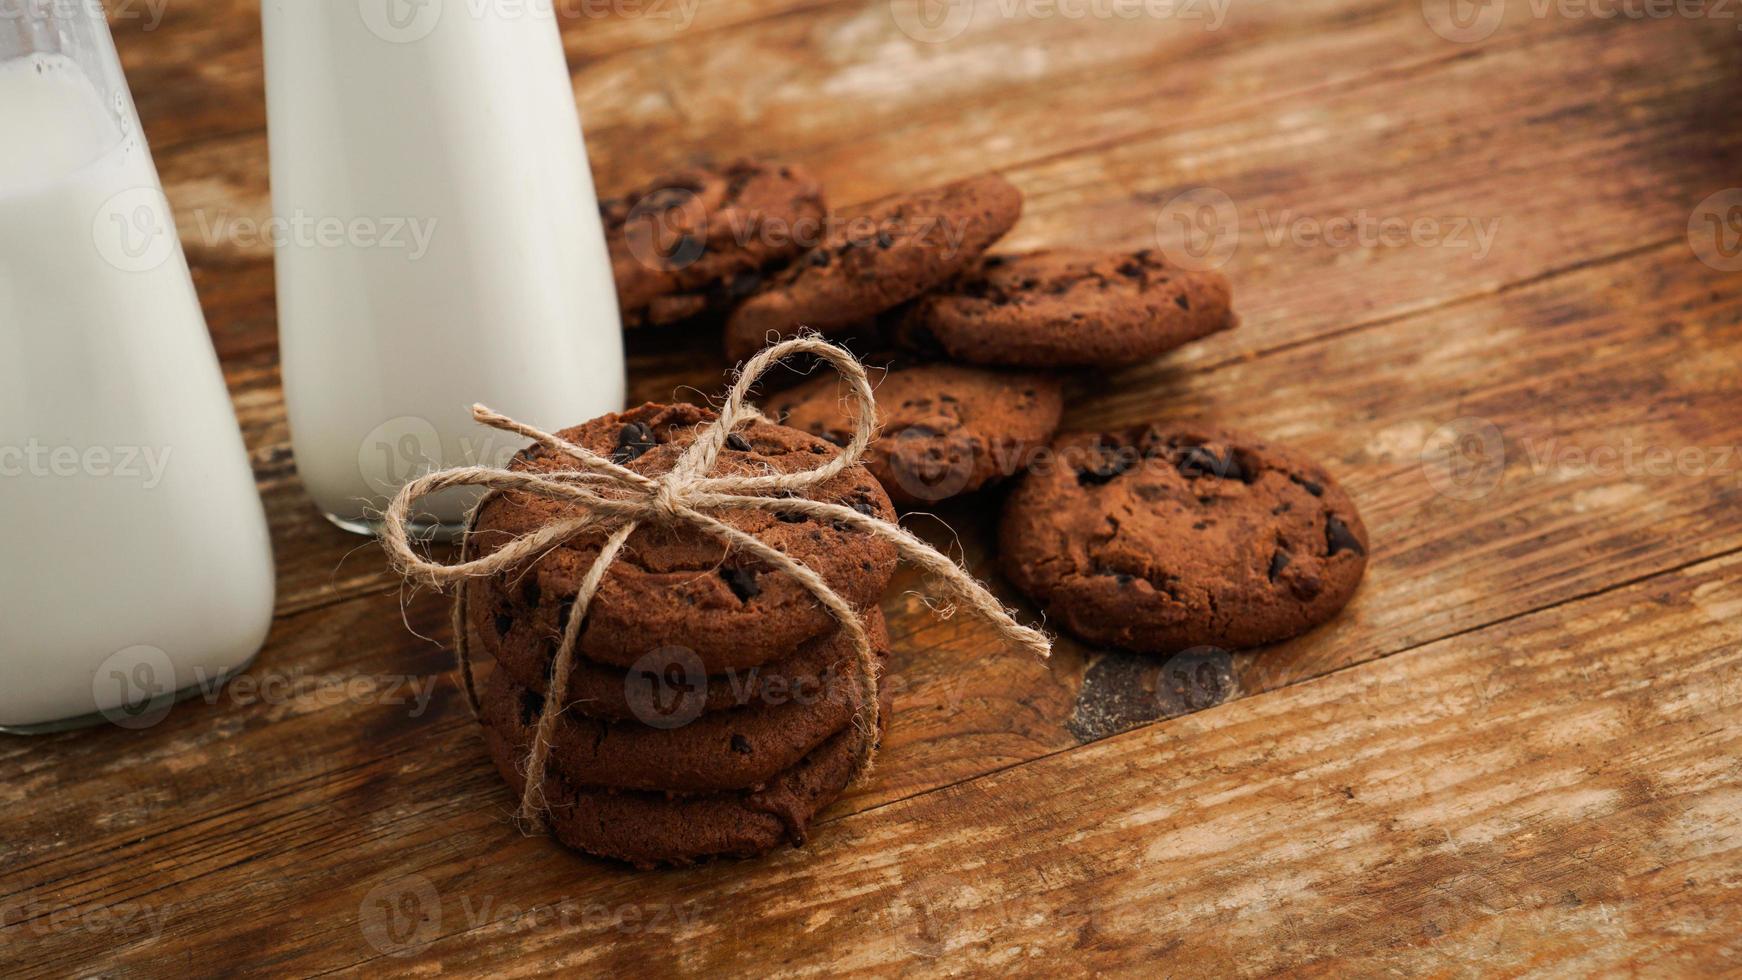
pixel 1519 750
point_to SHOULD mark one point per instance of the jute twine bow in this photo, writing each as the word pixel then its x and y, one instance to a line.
pixel 609 497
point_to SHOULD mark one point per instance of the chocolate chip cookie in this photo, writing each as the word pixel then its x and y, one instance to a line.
pixel 875 262
pixel 650 829
pixel 662 685
pixel 675 586
pixel 1068 308
pixel 1166 537
pixel 699 239
pixel 676 751
pixel 945 429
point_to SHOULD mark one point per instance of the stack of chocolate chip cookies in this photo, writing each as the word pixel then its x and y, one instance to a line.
pixel 711 707
pixel 1160 537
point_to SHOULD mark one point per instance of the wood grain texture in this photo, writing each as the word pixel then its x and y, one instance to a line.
pixel 1516 752
pixel 1591 128
pixel 962 709
pixel 171 48
pixel 1557 792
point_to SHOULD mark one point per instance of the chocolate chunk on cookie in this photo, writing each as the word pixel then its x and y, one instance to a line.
pixel 945 429
pixel 649 829
pixel 1068 308
pixel 674 585
pixel 875 262
pixel 1165 537
pixel 673 749
pixel 702 238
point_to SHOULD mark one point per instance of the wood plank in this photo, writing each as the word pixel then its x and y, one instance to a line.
pixel 853 80
pixel 1433 143
pixel 1553 793
pixel 221 191
pixel 1565 519
pixel 1606 339
pixel 197 69
pixel 1557 792
pixel 1583 492
pixel 1622 122
pixel 1554 527
pixel 1361 822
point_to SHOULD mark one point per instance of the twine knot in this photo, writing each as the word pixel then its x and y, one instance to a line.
pixel 606 496
pixel 668 500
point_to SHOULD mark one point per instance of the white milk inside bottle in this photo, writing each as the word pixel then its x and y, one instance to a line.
pixel 136 560
pixel 439 243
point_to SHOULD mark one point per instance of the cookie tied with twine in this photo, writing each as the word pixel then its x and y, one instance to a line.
pixel 600 496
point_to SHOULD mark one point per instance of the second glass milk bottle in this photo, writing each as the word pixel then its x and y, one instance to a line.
pixel 438 242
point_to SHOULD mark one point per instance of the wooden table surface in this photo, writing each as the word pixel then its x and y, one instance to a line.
pixel 1488 270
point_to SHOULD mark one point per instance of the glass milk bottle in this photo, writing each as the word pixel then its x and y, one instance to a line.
pixel 439 242
pixel 135 561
